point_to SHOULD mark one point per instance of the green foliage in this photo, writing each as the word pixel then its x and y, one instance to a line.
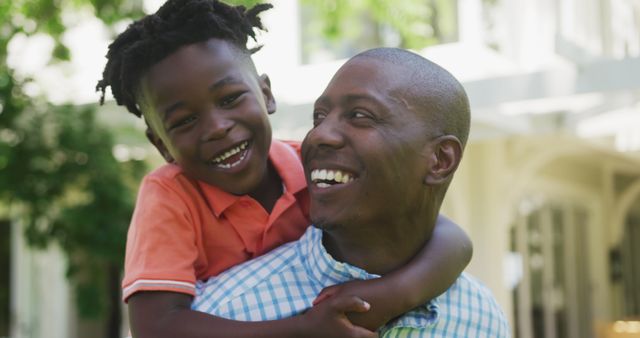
pixel 246 3
pixel 56 162
pixel 59 168
pixel 415 23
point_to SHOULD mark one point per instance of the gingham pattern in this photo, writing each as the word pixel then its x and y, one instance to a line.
pixel 284 282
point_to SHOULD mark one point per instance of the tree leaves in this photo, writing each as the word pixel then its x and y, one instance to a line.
pixel 56 162
pixel 417 23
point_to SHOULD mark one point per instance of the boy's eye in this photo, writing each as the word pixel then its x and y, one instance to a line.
pixel 183 122
pixel 230 99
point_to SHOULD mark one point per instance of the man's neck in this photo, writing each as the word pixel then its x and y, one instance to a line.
pixel 375 251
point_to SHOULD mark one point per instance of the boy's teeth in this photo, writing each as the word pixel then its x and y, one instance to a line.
pixel 229 153
pixel 331 176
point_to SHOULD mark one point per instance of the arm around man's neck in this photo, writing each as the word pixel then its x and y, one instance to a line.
pixel 156 314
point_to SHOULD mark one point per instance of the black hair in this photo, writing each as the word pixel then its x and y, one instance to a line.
pixel 177 23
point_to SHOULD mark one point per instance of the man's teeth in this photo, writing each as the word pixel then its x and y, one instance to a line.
pixel 228 154
pixel 330 177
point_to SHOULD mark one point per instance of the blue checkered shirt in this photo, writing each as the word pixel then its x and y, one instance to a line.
pixel 284 282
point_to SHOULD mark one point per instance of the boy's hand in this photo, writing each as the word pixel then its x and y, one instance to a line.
pixel 328 292
pixel 362 288
pixel 328 319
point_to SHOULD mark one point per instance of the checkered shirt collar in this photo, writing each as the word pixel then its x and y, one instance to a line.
pixel 325 270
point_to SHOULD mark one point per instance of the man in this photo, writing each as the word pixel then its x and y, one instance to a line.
pixel 389 132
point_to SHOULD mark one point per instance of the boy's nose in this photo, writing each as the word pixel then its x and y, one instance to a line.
pixel 216 126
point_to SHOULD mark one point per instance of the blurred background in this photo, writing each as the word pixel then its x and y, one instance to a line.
pixel 549 188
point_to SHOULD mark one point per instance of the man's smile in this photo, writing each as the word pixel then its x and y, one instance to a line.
pixel 325 178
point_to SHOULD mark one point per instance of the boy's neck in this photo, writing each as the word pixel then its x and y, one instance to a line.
pixel 270 189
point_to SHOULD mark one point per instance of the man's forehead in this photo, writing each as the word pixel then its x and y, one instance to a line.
pixel 367 74
pixel 393 82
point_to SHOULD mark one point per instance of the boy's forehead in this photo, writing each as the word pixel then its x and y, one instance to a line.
pixel 211 53
pixel 212 60
pixel 200 66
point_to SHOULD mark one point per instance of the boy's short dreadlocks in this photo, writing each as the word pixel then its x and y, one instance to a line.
pixel 177 23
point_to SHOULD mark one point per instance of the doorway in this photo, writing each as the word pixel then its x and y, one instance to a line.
pixel 552 299
pixel 630 255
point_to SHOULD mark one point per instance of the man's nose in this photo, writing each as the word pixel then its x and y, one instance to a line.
pixel 328 133
pixel 216 125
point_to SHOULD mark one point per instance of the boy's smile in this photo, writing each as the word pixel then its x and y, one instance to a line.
pixel 208 108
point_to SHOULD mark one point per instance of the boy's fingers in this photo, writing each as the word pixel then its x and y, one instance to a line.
pixel 321 297
pixel 361 332
pixel 325 293
pixel 350 304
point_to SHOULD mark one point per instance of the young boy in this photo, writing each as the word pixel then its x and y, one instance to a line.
pixel 229 193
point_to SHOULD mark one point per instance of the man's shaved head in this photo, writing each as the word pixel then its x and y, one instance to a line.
pixel 436 94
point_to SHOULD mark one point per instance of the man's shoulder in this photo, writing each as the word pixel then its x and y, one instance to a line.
pixel 466 309
pixel 473 294
pixel 470 305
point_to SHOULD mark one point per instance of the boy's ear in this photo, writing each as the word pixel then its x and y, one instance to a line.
pixel 157 142
pixel 445 154
pixel 269 100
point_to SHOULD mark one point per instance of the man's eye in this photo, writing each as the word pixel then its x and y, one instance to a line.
pixel 318 116
pixel 230 99
pixel 360 114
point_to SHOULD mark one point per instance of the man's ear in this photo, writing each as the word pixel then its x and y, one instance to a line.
pixel 444 158
pixel 157 142
pixel 269 100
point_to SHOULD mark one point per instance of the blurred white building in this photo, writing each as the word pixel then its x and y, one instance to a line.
pixel 549 189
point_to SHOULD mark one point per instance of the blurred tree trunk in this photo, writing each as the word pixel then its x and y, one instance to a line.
pixel 114 321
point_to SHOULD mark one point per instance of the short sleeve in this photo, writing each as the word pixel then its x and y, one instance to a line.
pixel 162 241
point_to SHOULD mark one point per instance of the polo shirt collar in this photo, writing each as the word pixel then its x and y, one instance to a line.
pixel 288 165
pixel 284 159
pixel 326 271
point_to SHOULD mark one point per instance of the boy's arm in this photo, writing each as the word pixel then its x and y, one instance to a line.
pixel 429 274
pixel 158 314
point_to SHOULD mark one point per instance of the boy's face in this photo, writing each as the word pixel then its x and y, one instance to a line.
pixel 208 109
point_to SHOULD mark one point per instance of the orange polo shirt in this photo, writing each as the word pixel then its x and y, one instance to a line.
pixel 184 230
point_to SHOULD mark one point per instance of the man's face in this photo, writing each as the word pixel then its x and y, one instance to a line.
pixel 209 109
pixel 365 156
